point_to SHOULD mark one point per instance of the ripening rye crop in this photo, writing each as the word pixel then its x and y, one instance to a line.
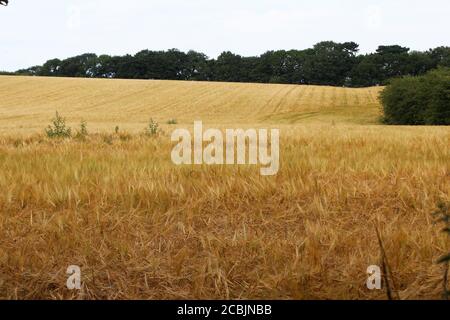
pixel 141 227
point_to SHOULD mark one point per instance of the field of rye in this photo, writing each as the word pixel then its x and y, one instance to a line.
pixel 140 227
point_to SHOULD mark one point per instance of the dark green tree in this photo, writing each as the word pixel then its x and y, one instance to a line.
pixel 229 67
pixel 330 63
pixel 79 66
pixel 51 68
pixel 440 56
pixel 197 66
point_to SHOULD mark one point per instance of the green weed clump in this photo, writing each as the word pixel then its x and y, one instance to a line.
pixel 58 128
pixel 152 128
pixel 82 132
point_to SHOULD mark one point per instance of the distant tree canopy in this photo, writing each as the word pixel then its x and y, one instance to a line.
pixel 422 100
pixel 327 63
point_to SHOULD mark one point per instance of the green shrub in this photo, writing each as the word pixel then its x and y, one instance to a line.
pixel 83 128
pixel 152 128
pixel 58 128
pixel 172 121
pixel 83 132
pixel 438 93
pixel 421 100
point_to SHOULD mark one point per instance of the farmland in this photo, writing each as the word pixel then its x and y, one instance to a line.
pixel 29 103
pixel 140 227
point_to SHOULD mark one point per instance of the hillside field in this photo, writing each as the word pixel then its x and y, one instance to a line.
pixel 28 103
pixel 142 228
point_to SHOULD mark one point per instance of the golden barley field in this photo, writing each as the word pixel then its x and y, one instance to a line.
pixel 29 103
pixel 142 228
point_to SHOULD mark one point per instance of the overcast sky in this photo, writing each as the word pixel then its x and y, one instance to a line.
pixel 34 31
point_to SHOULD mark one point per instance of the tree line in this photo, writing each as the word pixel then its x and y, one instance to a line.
pixel 326 63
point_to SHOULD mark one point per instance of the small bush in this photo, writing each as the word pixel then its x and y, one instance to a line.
pixel 117 129
pixel 421 100
pixel 58 128
pixel 83 132
pixel 172 121
pixel 83 128
pixel 152 128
